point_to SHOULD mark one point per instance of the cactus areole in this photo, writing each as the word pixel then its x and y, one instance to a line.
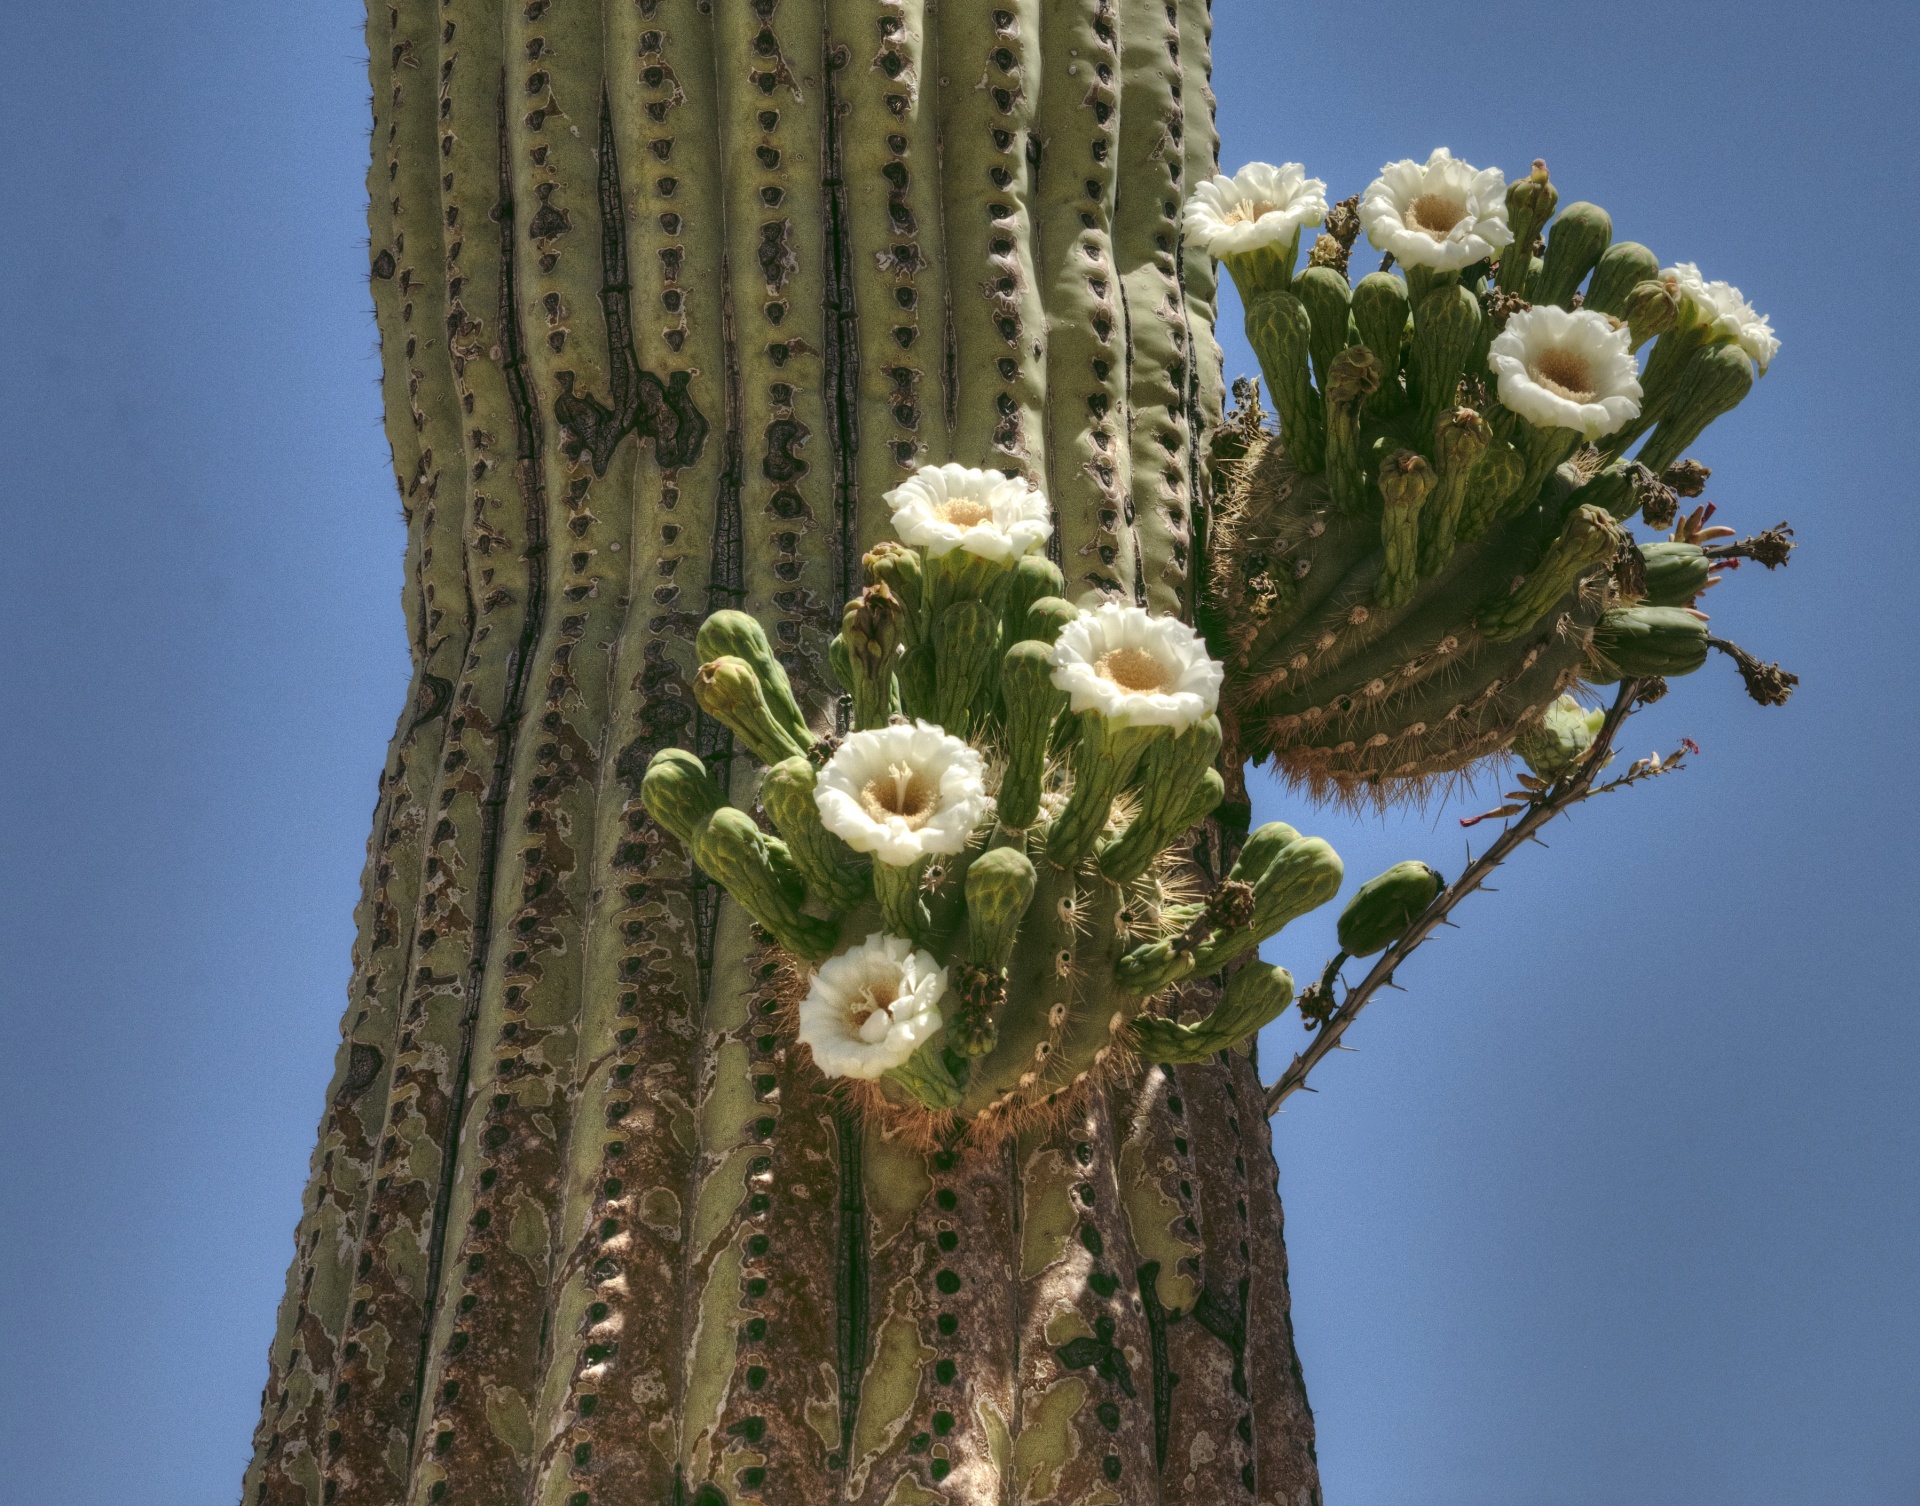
pixel 799 1047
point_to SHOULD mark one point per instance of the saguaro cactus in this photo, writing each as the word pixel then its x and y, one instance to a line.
pixel 671 294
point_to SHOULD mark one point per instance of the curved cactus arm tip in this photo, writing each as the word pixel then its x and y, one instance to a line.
pixel 749 865
pixel 733 634
pixel 833 873
pixel 1255 995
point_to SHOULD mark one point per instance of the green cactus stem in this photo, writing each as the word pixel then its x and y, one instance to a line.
pixel 1716 380
pixel 1104 759
pixel 736 635
pixel 1579 238
pixel 966 646
pixel 903 907
pixel 1354 376
pixel 999 888
pixel 1324 294
pixel 1622 267
pixel 1530 204
pixel 1032 705
pixel 1675 573
pixel 1254 996
pixel 1588 539
pixel 1460 439
pixel 754 868
pixel 872 631
pixel 833 873
pixel 1635 642
pixel 1380 316
pixel 1406 481
pixel 1173 784
pixel 1281 334
pixel 1446 329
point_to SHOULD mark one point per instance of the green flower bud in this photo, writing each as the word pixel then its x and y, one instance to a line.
pixel 1302 875
pixel 1574 248
pixel 1460 438
pixel 1445 330
pixel 1031 701
pixel 1493 490
pixel 1588 538
pixel 1614 490
pixel 1380 318
pixel 1379 914
pixel 901 571
pixel 1406 480
pixel 678 793
pixel 1642 642
pixel 839 664
pixel 1622 267
pixel 1261 850
pixel 999 888
pixel 1255 995
pixel 731 634
pixel 1047 616
pixel 1652 308
pixel 1281 335
pixel 1560 739
pixel 1354 377
pixel 964 652
pixel 1327 298
pixel 1530 204
pixel 1172 772
pixel 873 627
pixel 1675 573
pixel 742 859
pixel 1035 578
pixel 830 869
pixel 1714 382
pixel 730 692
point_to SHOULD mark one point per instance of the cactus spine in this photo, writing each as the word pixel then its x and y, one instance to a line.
pixel 669 295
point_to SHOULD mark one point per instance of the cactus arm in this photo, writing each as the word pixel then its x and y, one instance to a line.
pixel 1589 538
pixel 1104 760
pixel 966 652
pixel 730 633
pixel 1579 238
pixel 1406 481
pixel 1354 376
pixel 986 106
pixel 1281 334
pixel 1088 480
pixel 1031 705
pixel 1714 382
pixel 1622 267
pixel 1461 437
pixel 753 868
pixel 1255 996
pixel 1446 326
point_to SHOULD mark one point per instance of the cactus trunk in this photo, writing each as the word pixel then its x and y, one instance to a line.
pixel 669 293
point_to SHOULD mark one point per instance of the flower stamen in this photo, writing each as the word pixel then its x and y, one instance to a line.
pixel 1133 669
pixel 1436 214
pixel 1566 373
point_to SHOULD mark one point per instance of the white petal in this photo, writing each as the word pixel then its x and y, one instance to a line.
pixel 954 770
pixel 946 507
pixel 885 1038
pixel 1192 688
pixel 1601 346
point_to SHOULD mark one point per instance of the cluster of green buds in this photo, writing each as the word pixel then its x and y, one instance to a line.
pixel 980 876
pixel 1438 545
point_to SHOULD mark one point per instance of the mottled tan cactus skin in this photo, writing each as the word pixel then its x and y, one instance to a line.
pixel 670 292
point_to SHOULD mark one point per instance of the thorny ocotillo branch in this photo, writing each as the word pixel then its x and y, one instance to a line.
pixel 1576 785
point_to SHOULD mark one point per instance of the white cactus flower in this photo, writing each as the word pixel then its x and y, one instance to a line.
pixel 1722 305
pixel 903 792
pixel 869 1009
pixel 1445 215
pixel 1136 670
pixel 1261 205
pixel 941 508
pixel 1561 370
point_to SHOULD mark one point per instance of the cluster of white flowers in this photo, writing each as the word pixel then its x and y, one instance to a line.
pixel 869 1009
pixel 1136 670
pixel 1442 214
pixel 1721 305
pixel 1258 207
pixel 903 792
pixel 941 508
pixel 1561 370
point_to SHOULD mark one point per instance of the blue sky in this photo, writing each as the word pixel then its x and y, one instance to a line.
pixel 1618 1202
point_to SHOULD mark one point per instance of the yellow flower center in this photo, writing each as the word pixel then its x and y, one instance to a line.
pixel 875 999
pixel 1566 373
pixel 1247 211
pixel 902 793
pixel 1133 670
pixel 965 512
pixel 1436 213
